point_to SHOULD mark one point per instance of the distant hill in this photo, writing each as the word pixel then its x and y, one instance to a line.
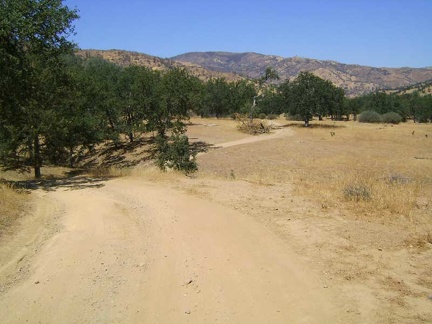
pixel 126 58
pixel 355 79
pixel 423 88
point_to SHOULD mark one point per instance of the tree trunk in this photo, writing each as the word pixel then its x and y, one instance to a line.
pixel 37 160
pixel 306 123
pixel 130 123
pixel 110 121
pixel 71 157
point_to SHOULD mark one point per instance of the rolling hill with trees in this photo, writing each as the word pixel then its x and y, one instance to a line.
pixel 127 58
pixel 354 79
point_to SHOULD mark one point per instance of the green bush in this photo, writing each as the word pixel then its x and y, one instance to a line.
pixel 369 116
pixel 175 153
pixel 391 118
pixel 262 116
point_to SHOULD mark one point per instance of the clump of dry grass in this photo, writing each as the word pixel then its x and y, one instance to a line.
pixel 12 203
pixel 371 192
pixel 357 192
pixel 253 127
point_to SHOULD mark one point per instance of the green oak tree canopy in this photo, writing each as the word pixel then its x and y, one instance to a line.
pixel 309 95
pixel 33 79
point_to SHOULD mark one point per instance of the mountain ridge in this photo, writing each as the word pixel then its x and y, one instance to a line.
pixel 354 78
pixel 298 57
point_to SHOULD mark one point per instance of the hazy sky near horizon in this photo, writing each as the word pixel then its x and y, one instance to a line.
pixel 380 33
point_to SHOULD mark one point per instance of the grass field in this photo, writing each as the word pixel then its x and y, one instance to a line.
pixel 369 169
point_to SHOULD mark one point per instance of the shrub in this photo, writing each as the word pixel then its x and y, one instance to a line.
pixel 175 153
pixel 369 116
pixel 357 192
pixel 391 118
pixel 262 116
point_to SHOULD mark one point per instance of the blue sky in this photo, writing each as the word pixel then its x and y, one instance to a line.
pixel 380 33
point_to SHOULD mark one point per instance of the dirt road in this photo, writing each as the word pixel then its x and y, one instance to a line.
pixel 138 252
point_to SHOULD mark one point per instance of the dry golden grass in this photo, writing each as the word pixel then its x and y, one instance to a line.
pixel 394 166
pixel 12 204
pixel 382 159
pixel 147 171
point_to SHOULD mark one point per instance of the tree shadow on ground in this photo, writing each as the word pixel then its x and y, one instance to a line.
pixel 119 154
pixel 201 147
pixel 313 125
pixel 68 183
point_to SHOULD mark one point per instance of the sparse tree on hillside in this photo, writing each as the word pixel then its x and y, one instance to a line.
pixel 269 75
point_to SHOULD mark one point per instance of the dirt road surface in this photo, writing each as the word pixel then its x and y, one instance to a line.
pixel 138 252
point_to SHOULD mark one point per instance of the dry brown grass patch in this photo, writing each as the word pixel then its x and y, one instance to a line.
pixel 366 169
pixel 12 204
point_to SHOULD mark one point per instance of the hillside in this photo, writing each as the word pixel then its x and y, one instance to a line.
pixel 355 79
pixel 423 88
pixel 125 58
